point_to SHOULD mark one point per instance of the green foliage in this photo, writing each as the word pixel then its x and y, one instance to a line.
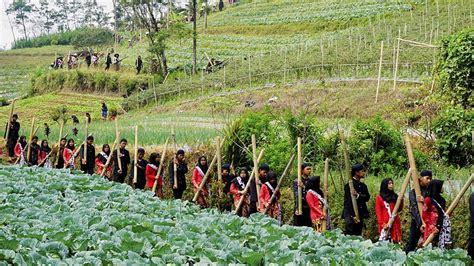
pixel 377 145
pixel 453 129
pixel 59 114
pixel 88 37
pixel 456 68
pixel 55 217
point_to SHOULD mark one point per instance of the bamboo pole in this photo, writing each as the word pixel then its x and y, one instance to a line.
pixel 117 135
pixel 9 123
pixel 349 177
pixel 135 159
pixel 206 176
pixel 403 189
pixel 162 161
pixel 61 128
pixel 247 186
pixel 107 163
pixel 85 141
pixel 285 172
pixel 395 72
pixel 379 78
pixel 300 189
pixel 28 154
pixel 255 167
pixel 453 205
pixel 414 174
pixel 175 166
pixel 219 164
pixel 325 184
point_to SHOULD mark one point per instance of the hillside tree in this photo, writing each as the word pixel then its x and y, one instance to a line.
pixel 46 16
pixel 21 10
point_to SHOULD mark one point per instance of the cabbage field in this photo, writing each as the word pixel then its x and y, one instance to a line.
pixel 55 217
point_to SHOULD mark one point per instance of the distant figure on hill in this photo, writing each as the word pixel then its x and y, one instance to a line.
pixel 117 62
pixel 221 5
pixel 139 64
pixel 104 111
pixel 88 116
pixel 58 63
pixel 88 59
pixel 108 62
pixel 95 60
pixel 13 135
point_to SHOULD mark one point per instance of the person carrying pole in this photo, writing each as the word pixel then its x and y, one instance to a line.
pixel 354 224
pixel 237 189
pixel 384 206
pixel 35 149
pixel 20 150
pixel 435 217
pixel 198 174
pixel 12 134
pixel 268 189
pixel 316 203
pixel 87 155
pixel 302 218
pixel 121 167
pixel 181 170
pixel 141 169
pixel 101 160
pixel 152 175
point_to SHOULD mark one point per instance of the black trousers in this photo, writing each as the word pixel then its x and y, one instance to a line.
pixel 303 220
pixel 415 235
pixel 253 207
pixel 354 229
pixel 87 170
pixel 178 193
pixel 11 147
pixel 470 248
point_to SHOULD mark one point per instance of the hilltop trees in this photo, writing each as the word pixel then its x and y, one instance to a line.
pixel 21 10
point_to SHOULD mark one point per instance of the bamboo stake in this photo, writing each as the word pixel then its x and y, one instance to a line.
pixel 285 172
pixel 326 174
pixel 349 177
pixel 107 163
pixel 117 134
pixel 379 79
pixel 85 141
pixel 300 189
pixel 61 128
pixel 135 168
pixel 9 123
pixel 255 167
pixel 219 163
pixel 247 187
pixel 28 154
pixel 395 72
pixel 175 166
pixel 414 174
pixel 162 161
pixel 206 176
pixel 453 205
pixel 403 189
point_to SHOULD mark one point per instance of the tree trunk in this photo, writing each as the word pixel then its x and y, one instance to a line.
pixel 194 38
pixel 165 64
pixel 205 16
pixel 24 28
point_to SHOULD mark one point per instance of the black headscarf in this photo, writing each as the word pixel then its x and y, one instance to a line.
pixel 314 183
pixel 23 141
pixel 386 194
pixel 434 192
pixel 103 149
pixel 152 159
pixel 202 167
pixel 246 172
pixel 70 144
pixel 46 149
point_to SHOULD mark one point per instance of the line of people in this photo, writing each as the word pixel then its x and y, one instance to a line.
pixel 315 210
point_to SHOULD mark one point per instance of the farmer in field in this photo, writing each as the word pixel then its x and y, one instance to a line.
pixel 35 148
pixel 237 190
pixel 227 178
pixel 88 160
pixel 13 135
pixel 117 62
pixel 354 226
pixel 104 111
pixel 435 217
pixel 108 62
pixel 198 174
pixel 262 178
pixel 60 162
pixel 302 219
pixel 43 155
pixel 68 154
pixel 417 227
pixel 151 173
pixel 138 64
pixel 95 60
pixel 101 160
pixel 88 59
pixel 141 168
pixel 384 205
pixel 121 170
pixel 20 150
pixel 266 192
pixel 181 169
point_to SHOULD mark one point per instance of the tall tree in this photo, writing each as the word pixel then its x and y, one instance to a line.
pixel 20 9
pixel 46 15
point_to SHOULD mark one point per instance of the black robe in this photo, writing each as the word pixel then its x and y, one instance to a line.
pixel 141 175
pixel 351 227
pixel 35 148
pixel 13 137
pixel 60 163
pixel 88 168
pixel 181 170
pixel 125 160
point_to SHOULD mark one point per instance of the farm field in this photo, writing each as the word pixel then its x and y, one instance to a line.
pixel 78 219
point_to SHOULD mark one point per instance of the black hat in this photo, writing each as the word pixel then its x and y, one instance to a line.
pixel 141 150
pixel 304 165
pixel 264 167
pixel 356 168
pixel 226 166
pixel 180 151
pixel 426 173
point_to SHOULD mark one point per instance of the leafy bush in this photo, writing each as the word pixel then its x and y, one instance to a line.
pixel 52 217
pixel 453 129
pixel 92 37
pixel 456 68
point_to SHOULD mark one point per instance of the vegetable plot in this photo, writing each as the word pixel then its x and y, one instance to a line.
pixel 52 217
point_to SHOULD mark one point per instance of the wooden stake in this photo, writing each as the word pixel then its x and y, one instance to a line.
pixel 109 160
pixel 85 142
pixel 247 187
pixel 285 172
pixel 395 72
pixel 9 123
pixel 175 166
pixel 28 154
pixel 135 168
pixel 300 189
pixel 61 128
pixel 349 177
pixel 414 174
pixel 326 192
pixel 162 161
pixel 219 163
pixel 379 79
pixel 453 205
pixel 255 167
pixel 117 134
pixel 206 176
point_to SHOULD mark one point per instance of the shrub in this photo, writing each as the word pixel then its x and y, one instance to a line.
pixel 92 37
